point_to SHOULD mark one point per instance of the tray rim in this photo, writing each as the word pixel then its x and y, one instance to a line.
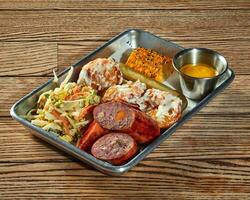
pixel 86 157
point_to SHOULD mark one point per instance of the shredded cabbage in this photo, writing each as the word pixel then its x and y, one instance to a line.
pixel 61 110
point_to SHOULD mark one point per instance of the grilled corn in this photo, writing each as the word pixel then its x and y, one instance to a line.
pixel 150 63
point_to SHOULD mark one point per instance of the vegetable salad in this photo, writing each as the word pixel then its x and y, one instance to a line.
pixel 66 109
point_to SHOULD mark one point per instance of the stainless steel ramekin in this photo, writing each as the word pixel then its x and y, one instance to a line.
pixel 197 88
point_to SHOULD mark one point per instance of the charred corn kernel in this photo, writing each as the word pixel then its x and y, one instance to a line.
pixel 150 63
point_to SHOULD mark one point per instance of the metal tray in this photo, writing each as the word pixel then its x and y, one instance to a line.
pixel 119 48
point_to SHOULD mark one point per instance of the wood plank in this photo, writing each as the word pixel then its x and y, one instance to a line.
pixel 160 179
pixel 123 5
pixel 232 101
pixel 39 58
pixel 236 52
pixel 27 58
pixel 203 137
pixel 14 88
pixel 64 25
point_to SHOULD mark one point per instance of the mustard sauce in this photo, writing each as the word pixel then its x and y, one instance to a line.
pixel 199 70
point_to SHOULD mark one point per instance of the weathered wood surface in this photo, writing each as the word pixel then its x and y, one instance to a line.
pixel 123 5
pixel 71 25
pixel 207 158
pixel 27 59
pixel 40 58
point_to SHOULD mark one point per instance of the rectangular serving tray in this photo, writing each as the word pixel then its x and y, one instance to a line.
pixel 118 48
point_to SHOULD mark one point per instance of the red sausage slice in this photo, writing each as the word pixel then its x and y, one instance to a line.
pixel 93 132
pixel 116 148
pixel 119 116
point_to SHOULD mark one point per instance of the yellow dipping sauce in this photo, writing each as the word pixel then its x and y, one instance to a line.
pixel 198 70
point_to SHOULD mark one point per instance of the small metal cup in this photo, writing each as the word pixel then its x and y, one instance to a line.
pixel 198 88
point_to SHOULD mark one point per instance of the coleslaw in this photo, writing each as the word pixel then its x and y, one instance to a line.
pixel 66 109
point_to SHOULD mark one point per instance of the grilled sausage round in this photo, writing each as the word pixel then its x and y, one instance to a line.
pixel 116 148
pixel 88 138
pixel 119 116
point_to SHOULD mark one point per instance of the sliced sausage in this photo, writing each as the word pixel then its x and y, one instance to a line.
pixel 116 148
pixel 119 116
pixel 93 132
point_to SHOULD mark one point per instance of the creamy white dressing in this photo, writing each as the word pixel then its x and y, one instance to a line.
pixel 100 73
pixel 137 88
pixel 83 78
pixel 163 101
pixel 130 92
pixel 170 102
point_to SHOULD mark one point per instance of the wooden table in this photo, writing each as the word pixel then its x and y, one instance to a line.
pixel 207 158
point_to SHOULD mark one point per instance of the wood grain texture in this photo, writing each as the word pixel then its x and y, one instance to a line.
pixel 122 5
pixel 14 89
pixel 66 25
pixel 28 58
pixel 160 179
pixel 40 58
pixel 206 158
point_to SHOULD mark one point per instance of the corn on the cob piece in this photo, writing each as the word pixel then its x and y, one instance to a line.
pixel 150 63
